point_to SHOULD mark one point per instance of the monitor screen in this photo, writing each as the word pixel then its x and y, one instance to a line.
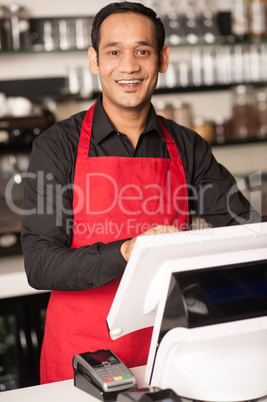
pixel 215 295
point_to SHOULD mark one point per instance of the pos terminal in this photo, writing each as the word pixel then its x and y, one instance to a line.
pixel 205 293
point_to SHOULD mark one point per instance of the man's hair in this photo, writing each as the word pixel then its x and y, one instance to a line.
pixel 127 7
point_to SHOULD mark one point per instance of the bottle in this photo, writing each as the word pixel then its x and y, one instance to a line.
pixel 244 113
pixel 208 22
pixel 17 27
pixel 164 109
pixel 174 30
pixel 257 22
pixel 190 22
pixel 204 128
pixel 240 25
pixel 182 113
pixel 222 129
pixel 261 110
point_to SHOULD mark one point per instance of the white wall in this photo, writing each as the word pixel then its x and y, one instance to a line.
pixel 39 8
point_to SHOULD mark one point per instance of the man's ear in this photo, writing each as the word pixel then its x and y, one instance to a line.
pixel 93 60
pixel 164 58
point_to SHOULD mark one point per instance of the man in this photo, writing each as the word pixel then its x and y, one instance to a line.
pixel 100 178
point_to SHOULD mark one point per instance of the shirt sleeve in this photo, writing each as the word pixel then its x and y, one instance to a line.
pixel 214 192
pixel 50 262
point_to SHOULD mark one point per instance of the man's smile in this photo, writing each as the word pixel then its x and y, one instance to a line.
pixel 133 83
pixel 129 81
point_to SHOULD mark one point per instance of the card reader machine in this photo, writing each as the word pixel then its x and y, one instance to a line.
pixel 102 374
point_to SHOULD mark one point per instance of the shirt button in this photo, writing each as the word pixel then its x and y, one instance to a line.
pixel 118 133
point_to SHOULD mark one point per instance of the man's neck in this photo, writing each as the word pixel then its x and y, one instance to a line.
pixel 129 121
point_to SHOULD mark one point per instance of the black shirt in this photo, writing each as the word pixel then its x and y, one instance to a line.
pixel 50 263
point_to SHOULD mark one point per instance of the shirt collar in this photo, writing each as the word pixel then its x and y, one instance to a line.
pixel 102 126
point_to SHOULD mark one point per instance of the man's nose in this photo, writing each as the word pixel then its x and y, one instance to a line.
pixel 129 64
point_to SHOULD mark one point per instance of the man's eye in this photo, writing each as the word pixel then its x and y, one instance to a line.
pixel 143 52
pixel 114 52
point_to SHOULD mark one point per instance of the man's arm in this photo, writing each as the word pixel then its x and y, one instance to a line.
pixel 46 232
pixel 214 191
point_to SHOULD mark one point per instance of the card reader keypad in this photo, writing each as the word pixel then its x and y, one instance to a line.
pixel 112 371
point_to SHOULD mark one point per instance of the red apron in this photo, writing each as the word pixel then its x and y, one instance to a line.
pixel 129 196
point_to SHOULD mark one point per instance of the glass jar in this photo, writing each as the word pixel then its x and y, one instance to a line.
pixel 244 113
pixel 204 128
pixel 15 31
pixel 257 20
pixel 261 111
pixel 164 109
pixel 240 24
pixel 222 130
pixel 182 113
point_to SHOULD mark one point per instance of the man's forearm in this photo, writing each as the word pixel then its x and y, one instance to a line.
pixel 53 267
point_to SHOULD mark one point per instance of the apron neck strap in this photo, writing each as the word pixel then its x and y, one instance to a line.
pixel 85 135
pixel 170 143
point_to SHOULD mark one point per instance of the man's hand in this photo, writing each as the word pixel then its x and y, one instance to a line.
pixel 127 246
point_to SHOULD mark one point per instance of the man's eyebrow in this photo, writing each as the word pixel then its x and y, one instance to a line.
pixel 145 43
pixel 111 44
pixel 140 43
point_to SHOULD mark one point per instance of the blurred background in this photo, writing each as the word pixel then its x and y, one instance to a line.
pixel 216 84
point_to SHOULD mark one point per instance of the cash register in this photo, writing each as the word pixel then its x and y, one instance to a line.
pixel 205 293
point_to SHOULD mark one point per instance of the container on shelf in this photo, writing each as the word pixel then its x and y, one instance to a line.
pixel 60 33
pixel 204 128
pixel 3 37
pixel 208 21
pixel 244 113
pixel 240 24
pixel 14 27
pixel 175 34
pixel 164 109
pixel 190 21
pixel 261 111
pixel 257 18
pixel 222 130
pixel 182 113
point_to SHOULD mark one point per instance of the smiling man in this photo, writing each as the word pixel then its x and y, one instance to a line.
pixel 128 61
pixel 104 177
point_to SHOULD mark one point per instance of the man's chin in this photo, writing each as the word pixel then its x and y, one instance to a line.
pixel 133 103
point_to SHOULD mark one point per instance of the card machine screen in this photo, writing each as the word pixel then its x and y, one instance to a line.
pixel 97 358
pixel 231 293
pixel 216 295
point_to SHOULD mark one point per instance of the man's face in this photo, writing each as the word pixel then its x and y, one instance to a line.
pixel 128 62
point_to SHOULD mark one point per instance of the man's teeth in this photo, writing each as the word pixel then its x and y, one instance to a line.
pixel 129 81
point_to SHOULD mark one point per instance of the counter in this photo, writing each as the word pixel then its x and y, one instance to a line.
pixel 13 280
pixel 63 391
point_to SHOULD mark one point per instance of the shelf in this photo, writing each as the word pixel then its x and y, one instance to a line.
pixel 206 88
pixel 240 142
pixel 223 41
pixel 35 89
pixel 38 51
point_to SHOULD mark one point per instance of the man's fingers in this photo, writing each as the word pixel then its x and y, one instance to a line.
pixel 161 229
pixel 127 247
